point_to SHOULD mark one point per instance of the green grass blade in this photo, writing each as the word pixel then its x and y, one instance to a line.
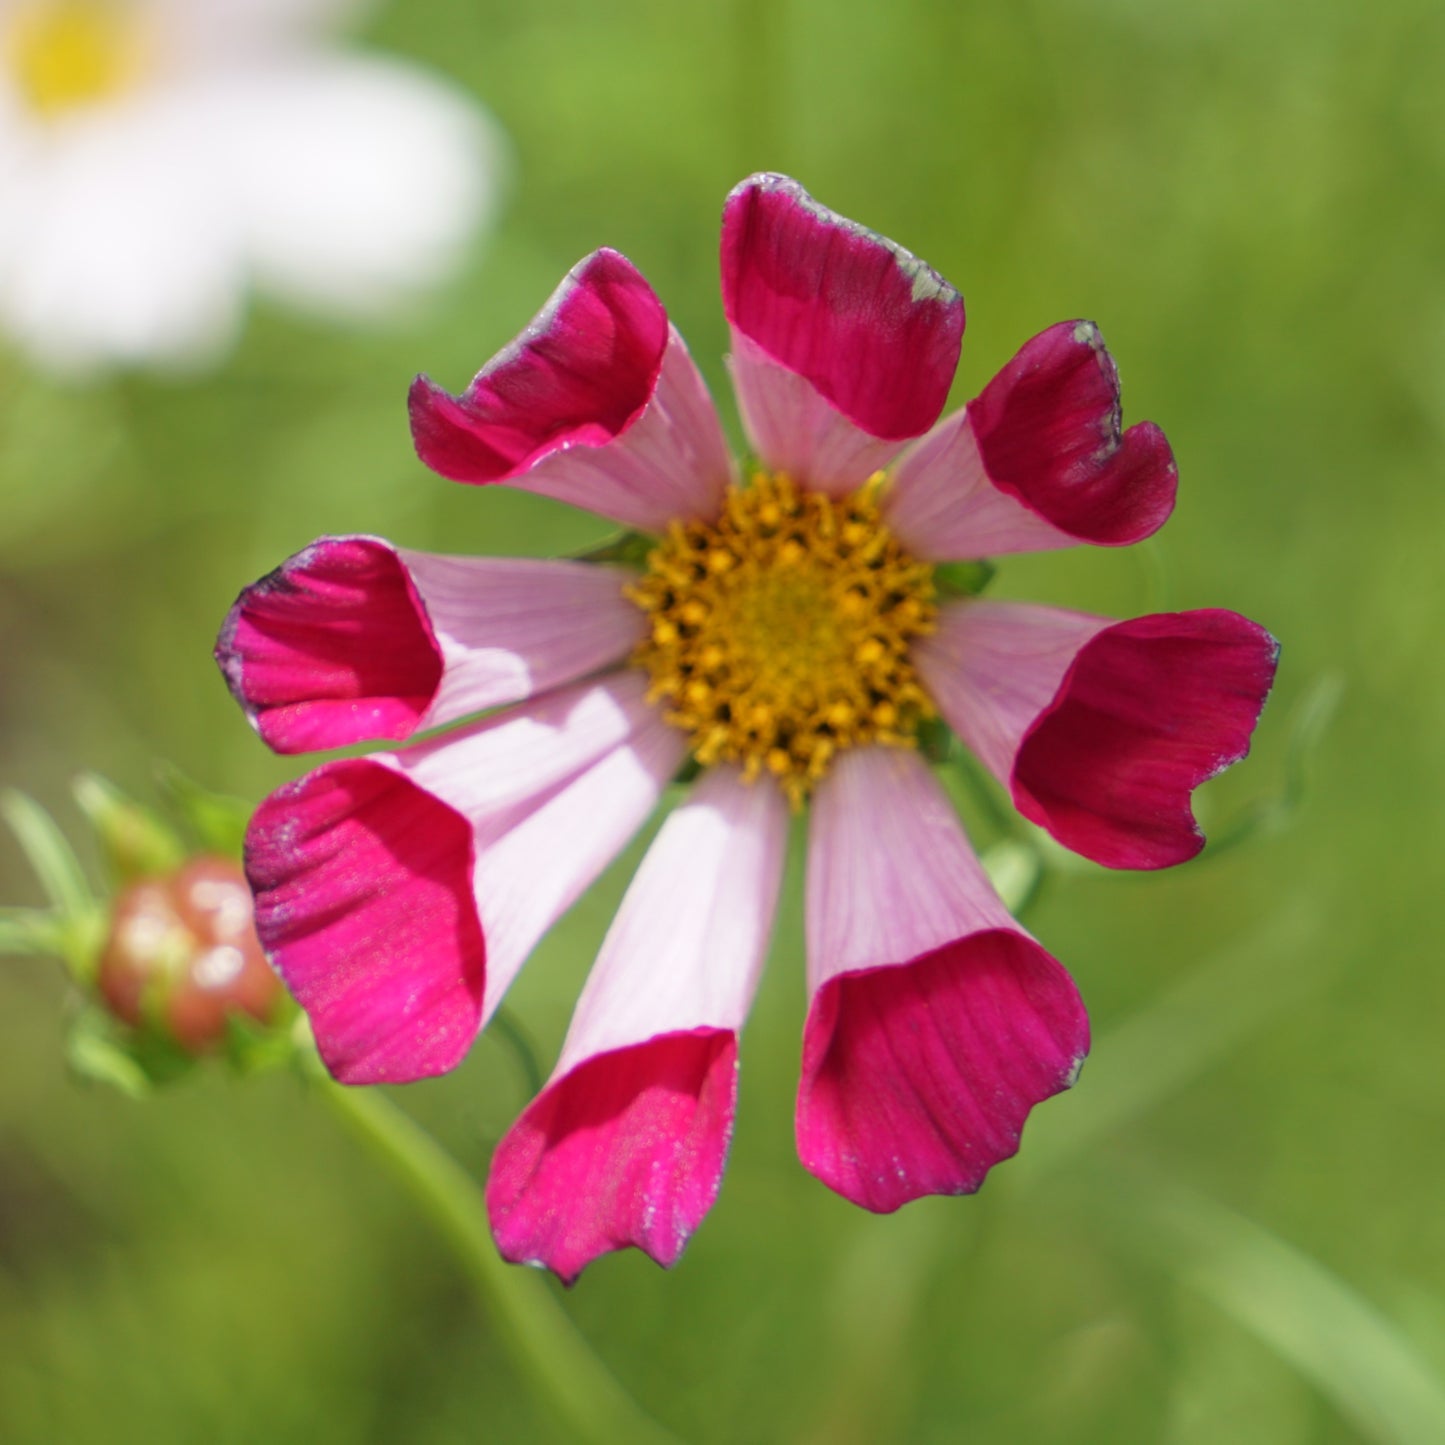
pixel 1352 1352
pixel 50 854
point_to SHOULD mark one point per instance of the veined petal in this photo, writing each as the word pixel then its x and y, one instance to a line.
pixel 626 1144
pixel 597 404
pixel 1102 730
pixel 353 639
pixel 936 1021
pixel 941 504
pixel 1048 427
pixel 364 905
pixel 539 861
pixel 398 894
pixel 1038 461
pixel 795 431
pixel 872 328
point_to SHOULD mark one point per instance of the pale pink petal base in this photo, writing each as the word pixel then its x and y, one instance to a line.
pixel 992 667
pixel 795 431
pixel 626 1150
pixel 936 1022
pixel 597 404
pixel 353 639
pixel 942 506
pixel 511 628
pixel 1102 730
pixel 399 894
pixel 654 1041
pixel 535 862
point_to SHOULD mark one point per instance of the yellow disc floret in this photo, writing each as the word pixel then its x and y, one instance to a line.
pixel 780 633
pixel 68 54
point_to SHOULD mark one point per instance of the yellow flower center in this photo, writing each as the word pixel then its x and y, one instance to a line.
pixel 68 54
pixel 780 633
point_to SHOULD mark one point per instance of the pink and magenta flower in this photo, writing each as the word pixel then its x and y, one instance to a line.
pixel 784 632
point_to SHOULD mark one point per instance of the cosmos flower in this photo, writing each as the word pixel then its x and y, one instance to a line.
pixel 158 157
pixel 783 629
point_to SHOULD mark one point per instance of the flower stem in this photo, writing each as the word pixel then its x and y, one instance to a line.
pixel 544 1342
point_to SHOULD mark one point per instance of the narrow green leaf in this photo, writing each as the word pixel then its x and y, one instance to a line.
pixel 29 932
pixel 1309 723
pixel 50 854
pixel 628 549
pixel 134 841
pixel 95 1053
pixel 963 579
pixel 1353 1353
pixel 217 820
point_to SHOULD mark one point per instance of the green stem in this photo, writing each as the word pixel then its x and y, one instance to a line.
pixel 544 1342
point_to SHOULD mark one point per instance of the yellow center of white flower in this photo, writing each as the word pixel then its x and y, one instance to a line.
pixel 780 633
pixel 65 55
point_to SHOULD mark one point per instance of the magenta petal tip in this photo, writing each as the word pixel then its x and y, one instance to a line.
pixel 625 1150
pixel 918 1077
pixel 334 647
pixel 873 328
pixel 1149 709
pixel 579 375
pixel 1049 433
pixel 364 906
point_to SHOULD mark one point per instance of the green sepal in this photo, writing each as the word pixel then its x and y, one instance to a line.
pixel 101 1050
pixel 49 854
pixel 688 773
pixel 629 549
pixel 963 579
pixel 251 1047
pixel 1015 869
pixel 31 933
pixel 935 740
pixel 216 820
pixel 134 842
pixel 73 927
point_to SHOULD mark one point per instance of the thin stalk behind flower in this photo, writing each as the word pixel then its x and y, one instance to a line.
pixel 542 1340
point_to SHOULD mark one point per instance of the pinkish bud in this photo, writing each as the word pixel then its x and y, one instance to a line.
pixel 182 953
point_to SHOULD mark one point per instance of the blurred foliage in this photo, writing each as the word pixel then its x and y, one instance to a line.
pixel 1231 1229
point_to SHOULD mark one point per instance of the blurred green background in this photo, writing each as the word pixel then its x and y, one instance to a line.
pixel 1232 1229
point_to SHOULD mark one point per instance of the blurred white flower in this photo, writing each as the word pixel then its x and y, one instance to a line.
pixel 157 157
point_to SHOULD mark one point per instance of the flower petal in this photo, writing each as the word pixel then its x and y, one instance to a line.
pixel 1038 461
pixel 364 904
pixel 597 403
pixel 353 639
pixel 357 181
pixel 875 330
pixel 398 894
pixel 942 506
pixel 1102 730
pixel 626 1144
pixel 794 431
pixel 936 1022
pixel 119 239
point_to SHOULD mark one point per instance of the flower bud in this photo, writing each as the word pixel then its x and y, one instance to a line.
pixel 182 954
